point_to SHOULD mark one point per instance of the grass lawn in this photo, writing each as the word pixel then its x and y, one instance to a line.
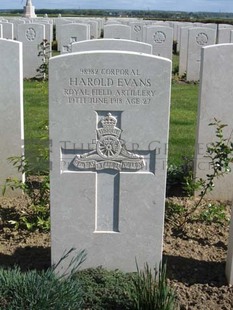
pixel 182 123
pixel 183 119
pixel 35 124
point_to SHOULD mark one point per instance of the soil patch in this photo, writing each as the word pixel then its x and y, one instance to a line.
pixel 195 259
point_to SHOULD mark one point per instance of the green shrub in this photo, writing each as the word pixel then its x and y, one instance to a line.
pixel 44 53
pixel 115 290
pixel 151 290
pixel 214 213
pixel 106 289
pixel 36 214
pixel 35 290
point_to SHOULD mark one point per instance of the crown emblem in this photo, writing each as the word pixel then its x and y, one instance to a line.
pixel 109 120
pixel 109 127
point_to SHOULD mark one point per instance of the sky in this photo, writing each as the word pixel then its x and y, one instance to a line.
pixel 167 5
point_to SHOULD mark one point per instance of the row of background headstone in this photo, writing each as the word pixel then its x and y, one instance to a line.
pixel 159 34
pixel 135 25
pixel 215 100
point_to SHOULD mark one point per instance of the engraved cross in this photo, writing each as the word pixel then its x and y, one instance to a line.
pixel 109 159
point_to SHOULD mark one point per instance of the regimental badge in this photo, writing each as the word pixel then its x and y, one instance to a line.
pixel 110 152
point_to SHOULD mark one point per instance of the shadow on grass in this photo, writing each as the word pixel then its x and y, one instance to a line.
pixel 28 258
pixel 191 271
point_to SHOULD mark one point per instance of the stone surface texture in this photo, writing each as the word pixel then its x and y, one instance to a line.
pixel 215 101
pixel 11 108
pixel 31 35
pixel 197 38
pixel 111 208
pixel 112 44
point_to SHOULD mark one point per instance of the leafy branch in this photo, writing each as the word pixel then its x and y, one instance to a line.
pixel 220 154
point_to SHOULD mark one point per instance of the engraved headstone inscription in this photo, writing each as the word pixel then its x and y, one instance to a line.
pixel 11 109
pixel 109 116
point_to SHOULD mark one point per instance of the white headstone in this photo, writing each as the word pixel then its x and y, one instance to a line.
pixel 112 44
pixel 31 35
pixel 117 32
pixel 231 36
pixel 215 101
pixel 100 26
pixel 73 33
pixel 11 108
pixel 136 31
pixel 48 30
pixel 183 50
pixel 109 115
pixel 224 35
pixel 211 26
pixel 16 23
pixel 94 29
pixel 161 39
pixel 197 38
pixel 229 263
pixel 60 22
pixel 180 26
pixel 7 30
pixel 221 26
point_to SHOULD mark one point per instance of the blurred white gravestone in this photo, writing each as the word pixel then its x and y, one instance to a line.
pixel 48 30
pixel 229 264
pixel 183 54
pixel 224 35
pixel 60 22
pixel 94 29
pixel 16 23
pixel 215 101
pixel 32 35
pixel 136 31
pixel 109 114
pixel 197 38
pixel 7 30
pixel 73 33
pixel 112 44
pixel 117 31
pixel 11 108
pixel 161 39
